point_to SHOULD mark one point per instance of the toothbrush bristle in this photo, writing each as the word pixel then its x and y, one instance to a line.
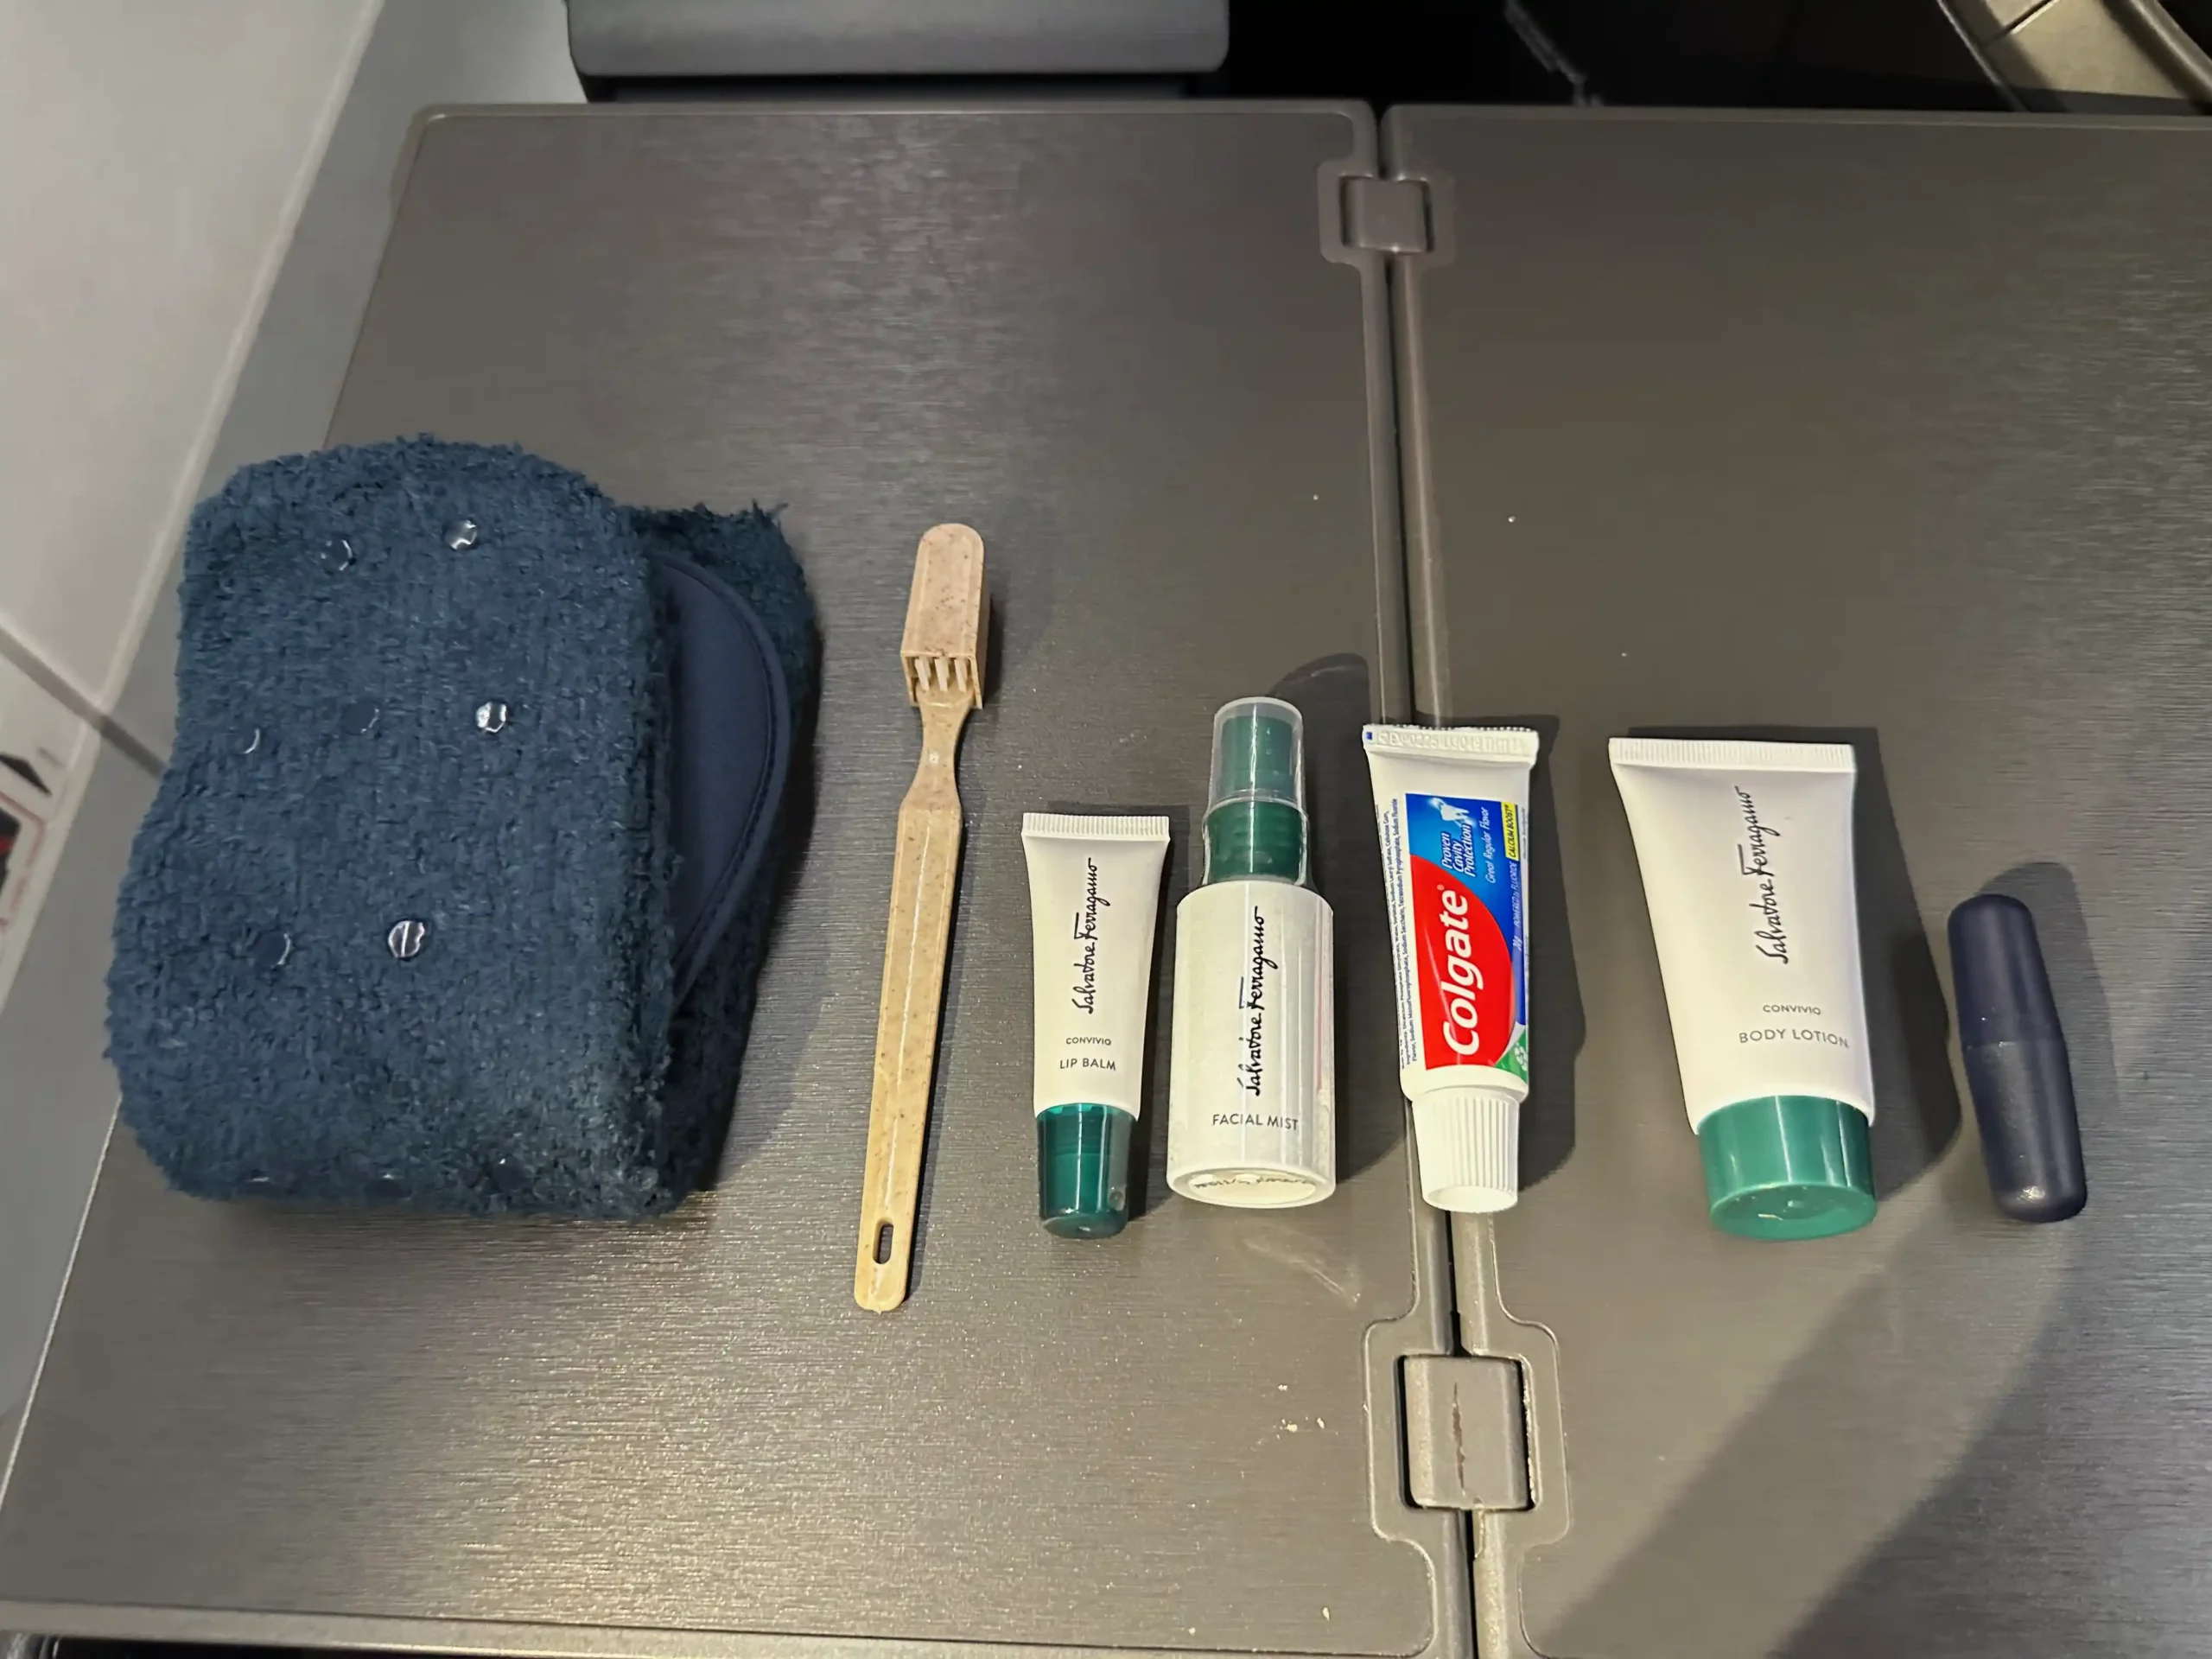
pixel 943 649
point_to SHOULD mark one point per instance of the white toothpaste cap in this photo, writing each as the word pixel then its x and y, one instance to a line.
pixel 1470 1145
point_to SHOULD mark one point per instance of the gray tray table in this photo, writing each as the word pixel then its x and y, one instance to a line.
pixel 1128 345
pixel 1893 429
pixel 1898 430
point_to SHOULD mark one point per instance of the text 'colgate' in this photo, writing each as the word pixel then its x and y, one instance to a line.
pixel 1468 929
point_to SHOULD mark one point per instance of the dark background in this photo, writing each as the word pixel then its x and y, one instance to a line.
pixel 1741 54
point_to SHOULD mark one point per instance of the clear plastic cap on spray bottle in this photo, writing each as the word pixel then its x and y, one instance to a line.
pixel 1256 806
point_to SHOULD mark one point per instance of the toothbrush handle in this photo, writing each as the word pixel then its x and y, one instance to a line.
pixel 923 876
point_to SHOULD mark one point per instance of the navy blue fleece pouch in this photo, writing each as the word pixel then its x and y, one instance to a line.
pixel 455 889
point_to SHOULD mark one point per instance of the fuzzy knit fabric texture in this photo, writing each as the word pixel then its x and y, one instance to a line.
pixel 395 928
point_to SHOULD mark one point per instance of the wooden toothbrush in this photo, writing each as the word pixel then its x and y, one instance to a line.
pixel 943 655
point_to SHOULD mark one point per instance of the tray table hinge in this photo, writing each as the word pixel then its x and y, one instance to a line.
pixel 1466 1432
pixel 1389 215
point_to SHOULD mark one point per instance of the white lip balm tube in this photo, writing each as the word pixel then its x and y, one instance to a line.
pixel 1452 808
pixel 1747 855
pixel 1094 898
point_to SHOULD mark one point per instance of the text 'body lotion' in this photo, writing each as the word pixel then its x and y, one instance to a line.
pixel 1252 1107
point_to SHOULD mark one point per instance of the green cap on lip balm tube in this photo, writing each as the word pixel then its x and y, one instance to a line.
pixel 1082 1163
pixel 1785 1166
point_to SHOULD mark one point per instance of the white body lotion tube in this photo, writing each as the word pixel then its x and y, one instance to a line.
pixel 1747 855
pixel 1094 897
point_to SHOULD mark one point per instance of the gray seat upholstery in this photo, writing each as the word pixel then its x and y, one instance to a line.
pixel 687 38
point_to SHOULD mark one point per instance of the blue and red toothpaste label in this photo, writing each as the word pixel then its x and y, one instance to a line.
pixel 1469 933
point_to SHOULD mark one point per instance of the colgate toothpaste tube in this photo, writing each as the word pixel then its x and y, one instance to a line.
pixel 1453 811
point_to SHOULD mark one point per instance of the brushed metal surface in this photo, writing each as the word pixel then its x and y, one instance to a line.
pixel 1901 429
pixel 1111 340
